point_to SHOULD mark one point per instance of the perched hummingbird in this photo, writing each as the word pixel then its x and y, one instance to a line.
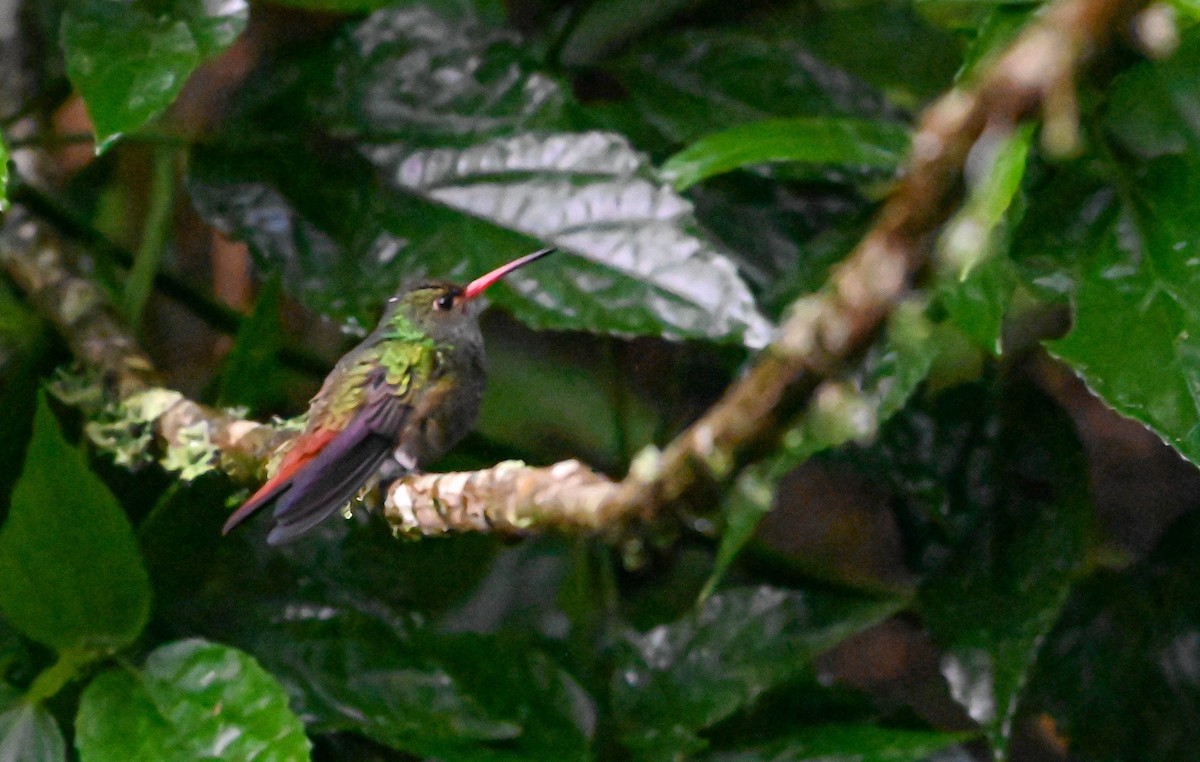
pixel 411 390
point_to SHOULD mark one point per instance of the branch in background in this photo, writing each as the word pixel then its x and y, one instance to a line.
pixel 822 333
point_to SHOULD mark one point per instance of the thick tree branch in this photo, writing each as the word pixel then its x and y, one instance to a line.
pixel 822 333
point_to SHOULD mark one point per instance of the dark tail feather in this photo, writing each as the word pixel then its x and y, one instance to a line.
pixel 269 492
pixel 326 487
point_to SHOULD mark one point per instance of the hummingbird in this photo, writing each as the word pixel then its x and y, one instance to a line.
pixel 409 391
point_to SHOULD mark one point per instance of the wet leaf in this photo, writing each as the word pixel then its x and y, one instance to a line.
pixel 1123 666
pixel 450 697
pixel 845 743
pixel 1119 236
pixel 29 734
pixel 675 680
pixel 351 195
pixel 432 74
pixel 632 262
pixel 130 59
pixel 991 605
pixel 938 460
pixel 642 261
pixel 192 700
pixel 71 576
pixel 557 716
pixel 811 140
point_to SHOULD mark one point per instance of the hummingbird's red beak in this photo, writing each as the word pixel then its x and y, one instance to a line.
pixel 481 284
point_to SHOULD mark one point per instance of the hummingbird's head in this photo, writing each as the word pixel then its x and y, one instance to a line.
pixel 447 312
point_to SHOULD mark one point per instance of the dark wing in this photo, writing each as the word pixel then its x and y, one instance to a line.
pixel 331 479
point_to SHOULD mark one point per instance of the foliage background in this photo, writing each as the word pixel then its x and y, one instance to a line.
pixel 964 553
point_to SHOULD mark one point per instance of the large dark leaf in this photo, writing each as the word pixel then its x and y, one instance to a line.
pixel 451 697
pixel 430 75
pixel 810 141
pixel 192 701
pixel 642 265
pixel 1118 236
pixel 340 619
pixel 632 261
pixel 672 682
pixel 1121 672
pixel 130 59
pixel 991 605
pixel 70 572
pixel 345 231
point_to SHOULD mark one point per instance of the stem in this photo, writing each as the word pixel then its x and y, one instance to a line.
pixel 146 262
pixel 53 678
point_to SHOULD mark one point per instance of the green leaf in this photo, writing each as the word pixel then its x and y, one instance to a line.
pixel 991 605
pixel 977 276
pixel 637 266
pixel 1117 233
pixel 450 158
pixel 354 672
pixel 71 576
pixel 193 700
pixel 428 74
pixel 890 376
pixel 1118 672
pixel 29 734
pixel 680 678
pixel 430 694
pixel 811 140
pixel 129 60
pixel 938 460
pixel 593 196
pixel 845 743
pixel 250 375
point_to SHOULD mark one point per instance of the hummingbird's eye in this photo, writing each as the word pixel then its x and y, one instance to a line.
pixel 444 302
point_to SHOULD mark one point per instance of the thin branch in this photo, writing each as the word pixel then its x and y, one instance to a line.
pixel 821 335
